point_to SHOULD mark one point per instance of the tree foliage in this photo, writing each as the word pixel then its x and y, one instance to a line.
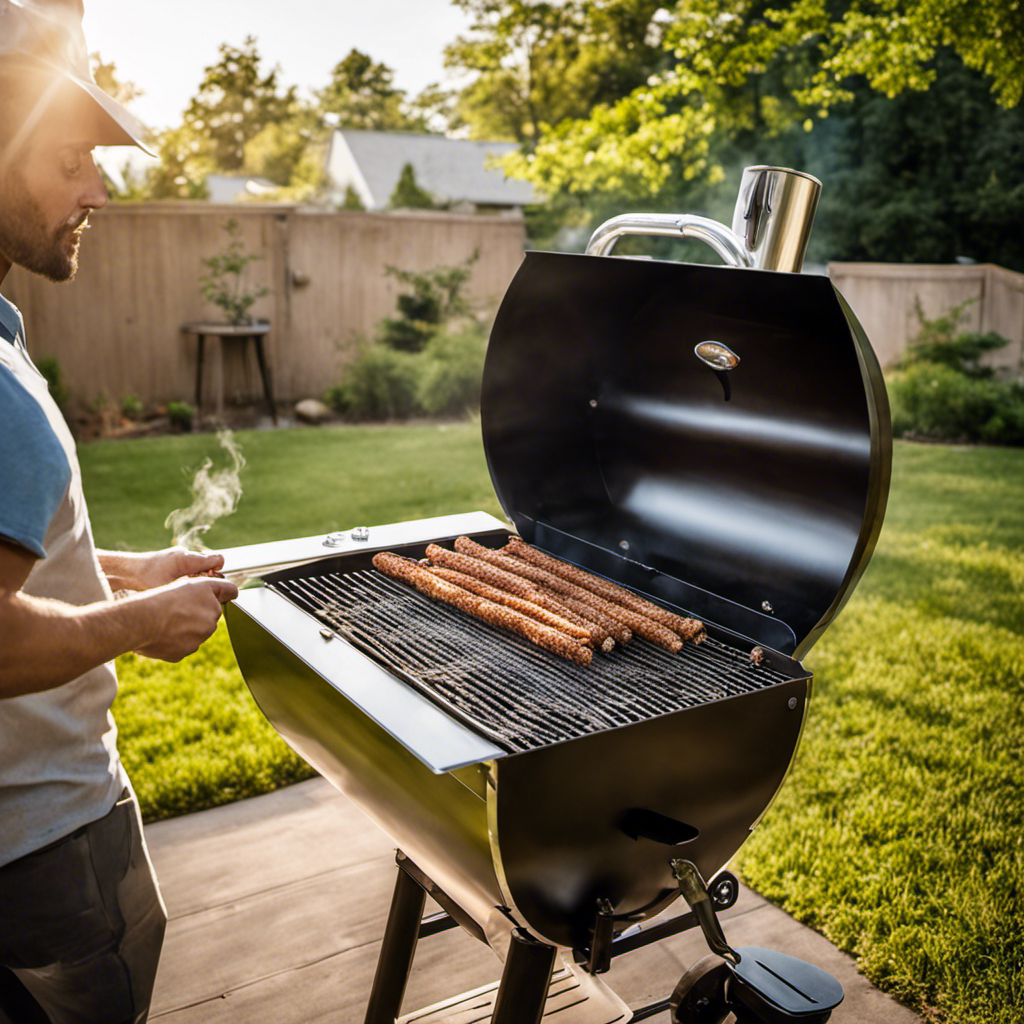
pixel 243 119
pixel 923 177
pixel 408 195
pixel 236 102
pixel 538 62
pixel 361 94
pixel 111 83
pixel 746 65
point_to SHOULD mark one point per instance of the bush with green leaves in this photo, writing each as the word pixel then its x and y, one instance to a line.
pixel 379 384
pixel 181 415
pixel 50 368
pixel 940 341
pixel 941 391
pixel 434 297
pixel 937 403
pixel 450 370
pixel 427 361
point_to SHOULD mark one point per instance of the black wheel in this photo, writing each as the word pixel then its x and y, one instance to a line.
pixel 699 998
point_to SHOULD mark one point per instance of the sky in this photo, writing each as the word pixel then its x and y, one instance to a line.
pixel 164 46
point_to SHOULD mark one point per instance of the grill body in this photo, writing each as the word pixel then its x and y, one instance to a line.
pixel 535 837
pixel 750 495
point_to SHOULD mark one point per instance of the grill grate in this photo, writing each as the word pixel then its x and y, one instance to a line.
pixel 504 687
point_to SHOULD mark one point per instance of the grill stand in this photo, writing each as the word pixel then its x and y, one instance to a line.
pixel 529 983
pixel 758 986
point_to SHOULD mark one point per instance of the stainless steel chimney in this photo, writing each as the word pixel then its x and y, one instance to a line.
pixel 771 222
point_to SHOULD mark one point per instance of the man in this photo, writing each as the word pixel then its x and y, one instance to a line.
pixel 81 919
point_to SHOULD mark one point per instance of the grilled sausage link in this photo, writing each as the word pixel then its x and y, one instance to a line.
pixel 519 604
pixel 408 571
pixel 560 591
pixel 688 629
pixel 523 588
pixel 654 632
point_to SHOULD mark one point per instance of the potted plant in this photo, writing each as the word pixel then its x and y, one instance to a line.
pixel 224 283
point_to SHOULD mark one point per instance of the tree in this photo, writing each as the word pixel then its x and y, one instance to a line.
pixel 362 95
pixel 408 195
pixel 538 62
pixel 291 153
pixel 235 102
pixel 107 79
pixel 927 177
pixel 184 165
pixel 744 65
pixel 239 120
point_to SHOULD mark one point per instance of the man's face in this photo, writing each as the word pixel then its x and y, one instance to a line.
pixel 46 194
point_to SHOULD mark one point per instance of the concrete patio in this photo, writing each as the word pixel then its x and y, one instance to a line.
pixel 277 906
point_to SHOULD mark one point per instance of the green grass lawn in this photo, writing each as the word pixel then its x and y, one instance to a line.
pixel 190 735
pixel 900 831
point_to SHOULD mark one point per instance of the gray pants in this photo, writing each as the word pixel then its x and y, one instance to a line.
pixel 81 926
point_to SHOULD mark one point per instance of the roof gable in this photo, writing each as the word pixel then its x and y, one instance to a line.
pixel 451 170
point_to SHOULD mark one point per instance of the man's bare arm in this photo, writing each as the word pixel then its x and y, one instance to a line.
pixel 45 643
pixel 128 570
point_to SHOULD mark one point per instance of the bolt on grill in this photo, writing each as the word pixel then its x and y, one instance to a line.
pixel 518 696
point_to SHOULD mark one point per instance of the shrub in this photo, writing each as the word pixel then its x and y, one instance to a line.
pixel 435 297
pixel 181 415
pixel 50 369
pixel 937 341
pixel 132 407
pixel 426 361
pixel 933 401
pixel 380 384
pixel 942 392
pixel 451 367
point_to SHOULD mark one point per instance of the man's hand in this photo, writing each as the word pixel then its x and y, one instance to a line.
pixel 45 643
pixel 129 571
pixel 183 614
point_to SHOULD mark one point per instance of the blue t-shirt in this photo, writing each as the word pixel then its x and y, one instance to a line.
pixel 34 470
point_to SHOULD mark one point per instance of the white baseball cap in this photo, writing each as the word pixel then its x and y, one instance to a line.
pixel 46 36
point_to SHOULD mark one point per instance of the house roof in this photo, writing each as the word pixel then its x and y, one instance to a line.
pixel 233 188
pixel 451 170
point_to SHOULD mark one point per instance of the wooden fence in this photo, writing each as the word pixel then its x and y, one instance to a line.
pixel 883 297
pixel 116 329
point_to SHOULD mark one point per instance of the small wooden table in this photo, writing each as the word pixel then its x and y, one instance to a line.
pixel 245 333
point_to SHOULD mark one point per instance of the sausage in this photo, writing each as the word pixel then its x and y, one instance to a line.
pixel 654 632
pixel 511 583
pixel 408 571
pixel 688 629
pixel 519 604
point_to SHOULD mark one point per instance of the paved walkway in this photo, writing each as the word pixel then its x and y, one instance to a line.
pixel 277 906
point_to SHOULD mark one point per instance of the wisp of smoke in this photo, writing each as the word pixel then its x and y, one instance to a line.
pixel 215 493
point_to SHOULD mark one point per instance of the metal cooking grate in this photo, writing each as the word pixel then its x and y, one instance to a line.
pixel 516 694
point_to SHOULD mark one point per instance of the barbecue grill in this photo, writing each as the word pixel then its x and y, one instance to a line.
pixel 713 438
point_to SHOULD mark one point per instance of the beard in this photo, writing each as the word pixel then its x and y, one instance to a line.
pixel 25 238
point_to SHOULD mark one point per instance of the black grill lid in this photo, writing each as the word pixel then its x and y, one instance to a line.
pixel 751 496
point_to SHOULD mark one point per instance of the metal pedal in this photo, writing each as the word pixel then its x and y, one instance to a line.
pixel 759 986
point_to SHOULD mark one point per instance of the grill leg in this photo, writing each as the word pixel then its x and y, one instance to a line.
pixel 524 982
pixel 396 951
